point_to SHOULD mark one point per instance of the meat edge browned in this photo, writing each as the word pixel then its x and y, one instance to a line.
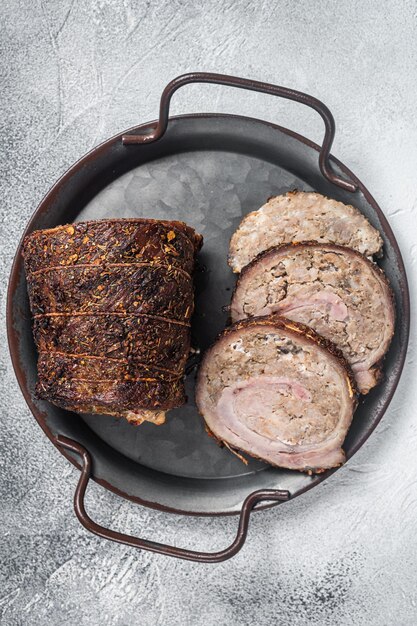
pixel 295 328
pixel 292 192
pixel 376 369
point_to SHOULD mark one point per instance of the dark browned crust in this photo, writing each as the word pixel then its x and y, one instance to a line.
pixel 126 289
pixel 112 302
pixel 65 380
pixel 112 241
pixel 377 367
pixel 293 328
pixel 111 397
pixel 61 365
pixel 147 340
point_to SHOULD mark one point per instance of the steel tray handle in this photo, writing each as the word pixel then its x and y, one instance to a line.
pixel 252 85
pixel 152 546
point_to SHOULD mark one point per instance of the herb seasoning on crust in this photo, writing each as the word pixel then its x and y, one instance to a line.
pixel 111 302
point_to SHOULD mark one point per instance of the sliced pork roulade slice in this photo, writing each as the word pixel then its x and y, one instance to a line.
pixel 276 390
pixel 301 216
pixel 336 291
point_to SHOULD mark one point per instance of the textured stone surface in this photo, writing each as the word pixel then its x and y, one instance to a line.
pixel 74 73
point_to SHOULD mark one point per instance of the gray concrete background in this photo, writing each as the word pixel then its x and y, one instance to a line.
pixel 74 73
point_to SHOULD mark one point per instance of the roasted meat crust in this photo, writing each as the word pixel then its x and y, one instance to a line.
pixel 101 384
pixel 112 302
pixel 160 342
pixel 112 241
pixel 132 289
pixel 111 397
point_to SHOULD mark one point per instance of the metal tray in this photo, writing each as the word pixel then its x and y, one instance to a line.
pixel 207 170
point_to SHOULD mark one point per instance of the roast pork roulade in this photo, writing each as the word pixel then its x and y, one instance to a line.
pixel 335 290
pixel 301 216
pixel 112 302
pixel 278 391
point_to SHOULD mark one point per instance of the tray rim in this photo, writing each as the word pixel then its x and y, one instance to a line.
pixel 89 157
